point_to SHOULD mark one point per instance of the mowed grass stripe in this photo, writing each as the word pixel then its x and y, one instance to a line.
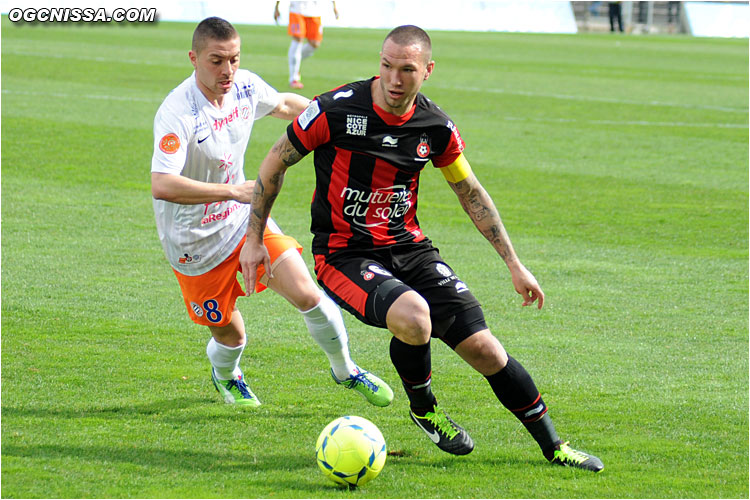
pixel 643 123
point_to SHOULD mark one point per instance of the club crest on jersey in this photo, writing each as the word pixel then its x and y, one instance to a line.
pixel 356 125
pixel 198 310
pixel 368 275
pixel 423 148
pixel 169 144
pixel 443 269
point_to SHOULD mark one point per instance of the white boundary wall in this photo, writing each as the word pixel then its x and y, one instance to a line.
pixel 717 19
pixel 533 16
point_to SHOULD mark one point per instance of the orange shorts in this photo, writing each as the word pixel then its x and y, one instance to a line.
pixel 210 297
pixel 305 27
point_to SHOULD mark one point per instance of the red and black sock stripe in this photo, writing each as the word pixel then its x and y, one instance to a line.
pixel 516 390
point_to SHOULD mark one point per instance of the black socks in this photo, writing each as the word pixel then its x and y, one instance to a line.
pixel 516 390
pixel 414 365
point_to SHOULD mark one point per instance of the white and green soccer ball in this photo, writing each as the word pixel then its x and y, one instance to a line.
pixel 351 451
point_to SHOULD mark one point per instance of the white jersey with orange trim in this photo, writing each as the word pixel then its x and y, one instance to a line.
pixel 306 8
pixel 194 139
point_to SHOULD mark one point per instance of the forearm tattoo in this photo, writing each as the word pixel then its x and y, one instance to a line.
pixel 264 197
pixel 478 205
pixel 277 180
pixel 257 222
pixel 477 210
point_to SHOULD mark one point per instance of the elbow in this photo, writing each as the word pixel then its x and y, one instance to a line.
pixel 159 188
pixel 158 192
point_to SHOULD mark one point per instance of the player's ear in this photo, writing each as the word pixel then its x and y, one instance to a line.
pixel 430 67
pixel 193 59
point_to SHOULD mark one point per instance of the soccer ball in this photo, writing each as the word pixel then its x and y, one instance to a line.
pixel 351 451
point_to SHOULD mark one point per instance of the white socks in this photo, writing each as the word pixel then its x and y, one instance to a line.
pixel 326 326
pixel 307 51
pixel 295 59
pixel 298 51
pixel 225 360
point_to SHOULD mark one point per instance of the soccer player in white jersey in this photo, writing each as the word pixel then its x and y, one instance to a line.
pixel 304 23
pixel 201 206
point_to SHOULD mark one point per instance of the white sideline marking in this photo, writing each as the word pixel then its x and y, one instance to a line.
pixel 593 98
pixel 444 87
pixel 101 97
pixel 172 62
pixel 79 57
pixel 638 122
pixel 104 97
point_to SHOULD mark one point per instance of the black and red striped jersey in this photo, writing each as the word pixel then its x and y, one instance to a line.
pixel 367 165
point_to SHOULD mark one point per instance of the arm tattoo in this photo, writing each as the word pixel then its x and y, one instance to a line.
pixel 276 181
pixel 262 201
pixel 286 151
pixel 480 208
pixel 496 235
pixel 476 209
pixel 262 208
pixel 257 222
pixel 471 202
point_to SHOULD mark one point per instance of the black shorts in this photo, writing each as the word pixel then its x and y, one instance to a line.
pixel 367 282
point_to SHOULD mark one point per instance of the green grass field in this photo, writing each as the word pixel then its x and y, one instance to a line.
pixel 619 164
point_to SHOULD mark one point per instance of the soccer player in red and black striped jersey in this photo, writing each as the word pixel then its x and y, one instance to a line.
pixel 371 141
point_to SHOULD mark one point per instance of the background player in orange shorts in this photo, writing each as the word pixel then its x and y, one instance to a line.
pixel 304 23
pixel 201 204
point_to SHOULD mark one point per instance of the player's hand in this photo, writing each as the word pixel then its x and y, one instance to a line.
pixel 276 14
pixel 244 191
pixel 526 285
pixel 252 255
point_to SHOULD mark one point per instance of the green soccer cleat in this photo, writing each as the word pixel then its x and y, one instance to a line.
pixel 444 432
pixel 568 457
pixel 235 391
pixel 376 391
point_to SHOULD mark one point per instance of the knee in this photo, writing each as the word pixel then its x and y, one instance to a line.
pixel 409 319
pixel 413 327
pixel 231 335
pixel 308 299
pixel 492 355
pixel 314 43
pixel 232 339
pixel 483 352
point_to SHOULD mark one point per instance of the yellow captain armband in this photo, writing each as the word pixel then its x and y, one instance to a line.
pixel 457 171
